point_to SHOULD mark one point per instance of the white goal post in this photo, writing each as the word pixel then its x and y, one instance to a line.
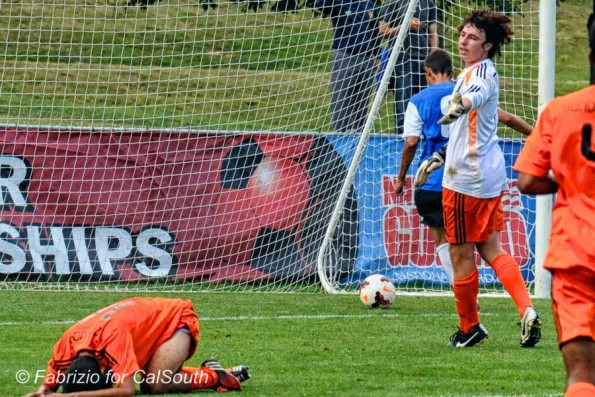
pixel 159 145
pixel 334 282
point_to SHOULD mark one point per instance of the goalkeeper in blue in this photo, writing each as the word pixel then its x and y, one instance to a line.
pixel 421 124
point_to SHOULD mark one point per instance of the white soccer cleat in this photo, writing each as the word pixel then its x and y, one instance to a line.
pixel 530 328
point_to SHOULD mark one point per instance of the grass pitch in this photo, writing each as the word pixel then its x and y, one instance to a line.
pixel 314 344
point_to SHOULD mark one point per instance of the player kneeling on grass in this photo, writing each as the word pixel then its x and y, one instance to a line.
pixel 137 340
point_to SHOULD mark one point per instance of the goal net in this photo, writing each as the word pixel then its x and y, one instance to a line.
pixel 160 145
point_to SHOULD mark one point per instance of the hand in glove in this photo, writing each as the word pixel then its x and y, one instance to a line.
pixel 455 109
pixel 429 165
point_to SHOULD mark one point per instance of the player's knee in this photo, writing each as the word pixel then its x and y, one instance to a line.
pixel 461 255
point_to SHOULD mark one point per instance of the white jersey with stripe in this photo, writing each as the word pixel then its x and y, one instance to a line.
pixel 474 161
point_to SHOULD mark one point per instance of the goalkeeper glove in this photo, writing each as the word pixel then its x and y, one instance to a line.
pixel 455 109
pixel 429 165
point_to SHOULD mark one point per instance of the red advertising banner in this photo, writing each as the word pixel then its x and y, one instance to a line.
pixel 79 204
pixel 215 207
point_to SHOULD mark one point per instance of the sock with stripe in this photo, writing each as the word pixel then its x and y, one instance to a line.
pixel 466 291
pixel 508 272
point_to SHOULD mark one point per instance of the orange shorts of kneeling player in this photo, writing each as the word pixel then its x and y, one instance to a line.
pixel 469 219
pixel 189 323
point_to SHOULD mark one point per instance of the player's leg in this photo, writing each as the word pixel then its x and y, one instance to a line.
pixel 579 359
pixel 163 375
pixel 507 270
pixel 363 73
pixel 465 285
pixel 466 291
pixel 460 218
pixel 343 83
pixel 439 237
pixel 402 82
pixel 429 208
pixel 229 378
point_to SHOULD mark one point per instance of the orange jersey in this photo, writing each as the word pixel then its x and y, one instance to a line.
pixel 555 144
pixel 124 336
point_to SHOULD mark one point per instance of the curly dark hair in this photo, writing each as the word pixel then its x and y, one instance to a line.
pixel 496 27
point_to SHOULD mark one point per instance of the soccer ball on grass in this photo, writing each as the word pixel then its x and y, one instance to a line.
pixel 377 291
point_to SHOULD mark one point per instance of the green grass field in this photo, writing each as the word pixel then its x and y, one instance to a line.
pixel 315 344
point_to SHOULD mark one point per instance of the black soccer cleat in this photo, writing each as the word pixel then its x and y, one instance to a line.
pixel 471 338
pixel 240 372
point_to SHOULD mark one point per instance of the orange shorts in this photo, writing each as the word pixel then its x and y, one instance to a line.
pixel 188 323
pixel 470 219
pixel 573 303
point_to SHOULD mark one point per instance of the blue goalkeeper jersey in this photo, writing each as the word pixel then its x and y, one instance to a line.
pixel 421 120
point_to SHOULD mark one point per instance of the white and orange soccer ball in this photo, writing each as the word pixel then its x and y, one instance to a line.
pixel 377 291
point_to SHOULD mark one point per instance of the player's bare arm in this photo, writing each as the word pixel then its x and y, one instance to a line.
pixel 386 31
pixel 514 122
pixel 530 184
pixel 42 391
pixel 406 158
pixel 434 40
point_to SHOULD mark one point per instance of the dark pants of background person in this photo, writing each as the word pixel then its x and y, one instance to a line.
pixel 352 81
pixel 409 78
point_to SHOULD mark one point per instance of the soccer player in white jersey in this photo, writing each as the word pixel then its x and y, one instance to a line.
pixel 474 179
pixel 421 126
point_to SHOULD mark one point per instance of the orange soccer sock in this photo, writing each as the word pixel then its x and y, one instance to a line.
pixel 580 389
pixel 507 270
pixel 466 291
pixel 201 378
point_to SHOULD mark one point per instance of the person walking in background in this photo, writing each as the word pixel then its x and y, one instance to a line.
pixel 149 338
pixel 408 76
pixel 475 178
pixel 421 122
pixel 356 44
pixel 562 145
